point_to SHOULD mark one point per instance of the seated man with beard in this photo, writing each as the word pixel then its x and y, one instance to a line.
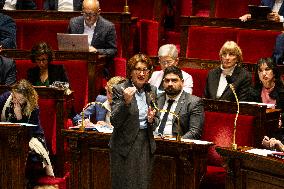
pixel 175 103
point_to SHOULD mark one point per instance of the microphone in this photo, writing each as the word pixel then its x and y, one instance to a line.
pixel 230 81
pixel 82 127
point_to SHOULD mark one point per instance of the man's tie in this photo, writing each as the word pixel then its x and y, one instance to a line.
pixel 165 117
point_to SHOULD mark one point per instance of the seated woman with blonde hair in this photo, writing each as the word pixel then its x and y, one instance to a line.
pixel 20 105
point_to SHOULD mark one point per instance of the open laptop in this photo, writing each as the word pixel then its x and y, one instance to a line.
pixel 259 12
pixel 72 42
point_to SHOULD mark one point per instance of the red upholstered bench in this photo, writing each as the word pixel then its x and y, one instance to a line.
pixel 206 42
pixel 33 31
pixel 256 44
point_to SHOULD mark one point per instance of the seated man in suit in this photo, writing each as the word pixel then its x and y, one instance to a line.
pixel 277 8
pixel 179 105
pixel 7 70
pixel 67 5
pixel 168 56
pixel 101 32
pixel 101 108
pixel 7 32
pixel 18 4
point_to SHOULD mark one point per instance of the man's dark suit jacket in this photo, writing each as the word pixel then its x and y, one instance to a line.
pixel 53 5
pixel 191 115
pixel 55 73
pixel 7 32
pixel 7 71
pixel 270 3
pixel 104 38
pixel 125 120
pixel 242 81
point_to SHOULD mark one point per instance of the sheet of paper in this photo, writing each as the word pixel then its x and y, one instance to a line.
pixel 261 152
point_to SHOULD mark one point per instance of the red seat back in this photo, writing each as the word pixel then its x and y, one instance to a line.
pixel 199 77
pixel 256 44
pixel 218 128
pixel 206 42
pixel 30 32
pixel 231 8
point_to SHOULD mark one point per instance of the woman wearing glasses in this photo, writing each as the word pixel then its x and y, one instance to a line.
pixel 45 73
pixel 132 144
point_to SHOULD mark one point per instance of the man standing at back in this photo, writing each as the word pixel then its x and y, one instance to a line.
pixel 101 32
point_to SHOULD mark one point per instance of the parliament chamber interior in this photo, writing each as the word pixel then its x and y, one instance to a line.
pixel 198 28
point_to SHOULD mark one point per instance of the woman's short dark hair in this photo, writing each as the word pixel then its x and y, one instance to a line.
pixel 138 58
pixel 270 64
pixel 173 69
pixel 41 49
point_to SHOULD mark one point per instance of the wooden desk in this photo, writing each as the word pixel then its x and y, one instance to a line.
pixel 177 165
pixel 14 147
pixel 249 171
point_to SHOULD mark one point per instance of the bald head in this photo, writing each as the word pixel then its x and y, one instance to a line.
pixel 91 11
pixel 91 5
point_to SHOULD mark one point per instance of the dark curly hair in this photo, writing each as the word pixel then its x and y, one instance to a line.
pixel 41 49
pixel 271 65
pixel 133 61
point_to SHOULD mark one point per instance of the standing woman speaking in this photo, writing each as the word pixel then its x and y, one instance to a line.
pixel 132 144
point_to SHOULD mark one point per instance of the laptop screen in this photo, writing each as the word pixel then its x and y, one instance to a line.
pixel 72 42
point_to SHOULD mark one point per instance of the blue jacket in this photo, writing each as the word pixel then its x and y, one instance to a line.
pixel 96 109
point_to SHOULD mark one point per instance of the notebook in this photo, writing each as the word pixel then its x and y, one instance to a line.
pixel 72 42
pixel 259 12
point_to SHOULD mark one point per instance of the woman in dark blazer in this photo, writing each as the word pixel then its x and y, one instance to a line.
pixel 132 144
pixel 269 88
pixel 45 73
pixel 230 71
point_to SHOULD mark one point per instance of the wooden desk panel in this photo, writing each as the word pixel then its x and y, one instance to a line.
pixel 249 171
pixel 177 165
pixel 14 147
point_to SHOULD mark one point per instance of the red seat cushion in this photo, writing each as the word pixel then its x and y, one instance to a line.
pixel 48 180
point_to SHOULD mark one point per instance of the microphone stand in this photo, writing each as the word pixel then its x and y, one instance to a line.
pixel 82 126
pixel 178 137
pixel 234 145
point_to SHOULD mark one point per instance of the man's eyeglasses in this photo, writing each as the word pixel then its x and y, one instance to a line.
pixel 41 60
pixel 167 62
pixel 92 14
pixel 139 70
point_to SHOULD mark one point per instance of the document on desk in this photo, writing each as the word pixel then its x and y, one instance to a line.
pixel 22 124
pixel 191 141
pixel 104 129
pixel 261 152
